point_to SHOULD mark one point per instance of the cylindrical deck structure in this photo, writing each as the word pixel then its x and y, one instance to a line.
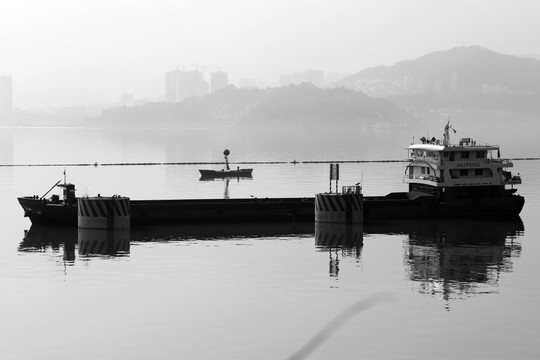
pixel 346 207
pixel 104 212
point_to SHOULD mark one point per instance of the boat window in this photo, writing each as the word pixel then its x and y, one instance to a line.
pixel 480 154
pixel 478 172
pixel 464 154
pixel 451 156
pixel 445 154
pixel 463 172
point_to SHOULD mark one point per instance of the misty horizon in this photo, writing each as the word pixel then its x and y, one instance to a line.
pixel 67 54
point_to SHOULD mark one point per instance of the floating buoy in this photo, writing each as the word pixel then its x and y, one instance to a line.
pixel 104 212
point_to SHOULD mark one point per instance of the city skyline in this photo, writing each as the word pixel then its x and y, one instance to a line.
pixel 64 53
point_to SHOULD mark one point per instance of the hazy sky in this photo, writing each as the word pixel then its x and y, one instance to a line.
pixel 70 52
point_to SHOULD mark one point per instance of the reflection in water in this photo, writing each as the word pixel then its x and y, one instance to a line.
pixel 46 239
pixel 454 258
pixel 446 258
pixel 90 242
pixel 115 243
pixel 221 231
pixel 95 242
pixel 336 238
pixel 226 180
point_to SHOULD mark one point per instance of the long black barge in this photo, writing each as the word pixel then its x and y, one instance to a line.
pixel 60 213
pixel 399 205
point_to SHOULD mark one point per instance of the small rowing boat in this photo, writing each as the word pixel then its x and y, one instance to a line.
pixel 226 172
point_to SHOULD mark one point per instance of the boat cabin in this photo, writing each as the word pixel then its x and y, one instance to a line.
pixel 440 164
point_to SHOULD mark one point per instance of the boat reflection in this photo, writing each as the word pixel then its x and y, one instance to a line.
pixel 226 180
pixel 221 231
pixel 89 242
pixel 50 240
pixel 116 243
pixel 97 242
pixel 444 258
pixel 456 258
pixel 339 240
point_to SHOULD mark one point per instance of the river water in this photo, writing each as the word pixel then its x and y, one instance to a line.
pixel 398 290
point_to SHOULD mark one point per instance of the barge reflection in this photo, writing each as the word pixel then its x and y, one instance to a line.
pixel 339 240
pixel 444 258
pixel 89 242
pixel 456 258
pixel 116 243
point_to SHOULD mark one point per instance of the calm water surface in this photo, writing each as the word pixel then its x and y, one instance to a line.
pixel 446 289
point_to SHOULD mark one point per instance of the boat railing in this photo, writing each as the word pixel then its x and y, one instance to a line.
pixel 508 179
pixel 513 181
pixel 423 177
pixel 426 159
pixel 500 161
pixel 353 189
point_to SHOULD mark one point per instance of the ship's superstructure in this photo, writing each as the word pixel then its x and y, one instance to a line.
pixel 466 170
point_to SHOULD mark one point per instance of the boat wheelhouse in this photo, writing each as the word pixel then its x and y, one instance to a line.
pixel 457 172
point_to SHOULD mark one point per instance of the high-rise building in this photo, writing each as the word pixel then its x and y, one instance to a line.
pixel 181 85
pixel 6 99
pixel 218 80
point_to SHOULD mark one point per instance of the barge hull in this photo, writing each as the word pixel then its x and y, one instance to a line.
pixel 182 211
pixel 401 205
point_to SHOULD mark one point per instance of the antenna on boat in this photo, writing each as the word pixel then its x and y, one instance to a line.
pixel 446 136
pixel 64 176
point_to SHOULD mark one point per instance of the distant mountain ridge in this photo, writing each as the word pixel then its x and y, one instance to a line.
pixel 468 67
pixel 285 106
pixel 463 78
pixel 469 78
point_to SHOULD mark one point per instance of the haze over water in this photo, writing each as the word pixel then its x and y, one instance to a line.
pixel 461 289
pixel 458 289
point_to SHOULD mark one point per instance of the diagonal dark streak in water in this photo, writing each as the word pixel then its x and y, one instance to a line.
pixel 338 321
